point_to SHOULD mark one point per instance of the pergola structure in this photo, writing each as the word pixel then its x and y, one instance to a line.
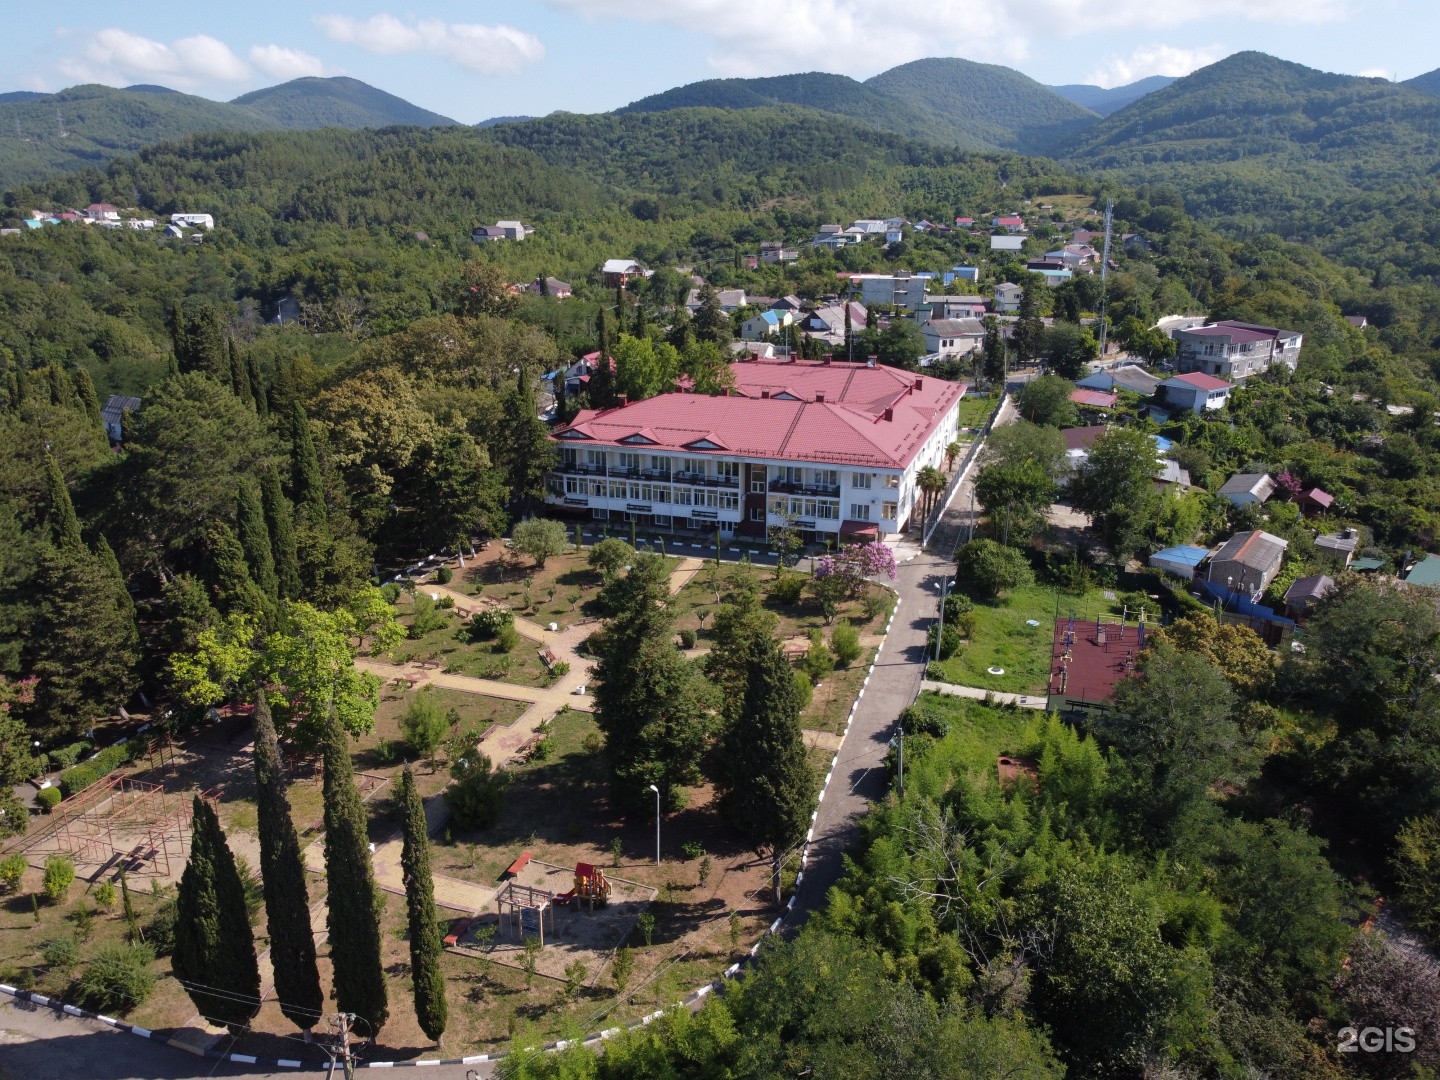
pixel 120 820
pixel 526 906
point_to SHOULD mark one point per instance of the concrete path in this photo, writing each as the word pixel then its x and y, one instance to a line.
pixel 821 740
pixel 1025 701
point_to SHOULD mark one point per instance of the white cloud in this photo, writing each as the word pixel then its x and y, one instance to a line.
pixel 281 63
pixel 1377 73
pixel 755 37
pixel 118 56
pixel 489 50
pixel 1150 60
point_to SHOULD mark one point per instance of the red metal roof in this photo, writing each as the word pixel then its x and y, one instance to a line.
pixel 1319 498
pixel 1201 381
pixel 876 417
pixel 1094 398
pixel 1081 438
pixel 1234 333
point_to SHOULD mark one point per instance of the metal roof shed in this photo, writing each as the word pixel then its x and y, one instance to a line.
pixel 1182 561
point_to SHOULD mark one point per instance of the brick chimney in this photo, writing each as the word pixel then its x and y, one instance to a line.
pixel 919 383
pixel 764 395
pixel 621 400
pixel 889 414
pixel 820 397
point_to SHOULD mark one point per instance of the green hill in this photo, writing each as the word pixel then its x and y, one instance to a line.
pixel 985 103
pixel 336 102
pixel 1100 100
pixel 815 90
pixel 87 125
pixel 1429 82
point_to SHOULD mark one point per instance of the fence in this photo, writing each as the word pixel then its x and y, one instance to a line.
pixel 959 478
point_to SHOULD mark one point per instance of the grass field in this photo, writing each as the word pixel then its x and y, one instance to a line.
pixel 975 410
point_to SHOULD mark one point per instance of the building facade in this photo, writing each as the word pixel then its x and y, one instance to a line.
pixel 833 447
pixel 1235 350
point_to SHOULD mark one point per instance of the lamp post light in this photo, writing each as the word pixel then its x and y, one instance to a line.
pixel 656 790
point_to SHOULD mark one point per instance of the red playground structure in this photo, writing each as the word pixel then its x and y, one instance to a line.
pixel 590 887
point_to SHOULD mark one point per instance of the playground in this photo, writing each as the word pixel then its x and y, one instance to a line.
pixel 1089 656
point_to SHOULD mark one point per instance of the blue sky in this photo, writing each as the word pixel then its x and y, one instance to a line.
pixel 472 60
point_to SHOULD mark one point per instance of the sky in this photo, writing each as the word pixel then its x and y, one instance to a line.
pixel 477 59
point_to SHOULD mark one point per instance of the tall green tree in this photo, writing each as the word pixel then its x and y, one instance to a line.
pixel 254 536
pixel 1115 487
pixel 995 364
pixel 214 956
pixel 124 602
pixel 651 703
pixel 257 383
pixel 764 780
pixel 85 391
pixel 239 374
pixel 280 525
pixel 1029 330
pixel 711 322
pixel 198 337
pixel 307 481
pixel 282 874
pixel 459 493
pixel 431 1009
pixel 229 575
pixel 354 921
pixel 526 451
pixel 64 526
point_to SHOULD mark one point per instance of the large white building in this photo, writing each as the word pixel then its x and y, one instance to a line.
pixel 1236 350
pixel 836 446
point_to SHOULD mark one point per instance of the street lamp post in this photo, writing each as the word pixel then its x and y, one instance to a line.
pixel 656 790
pixel 940 631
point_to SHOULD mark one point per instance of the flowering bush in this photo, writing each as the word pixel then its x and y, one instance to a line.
pixel 855 563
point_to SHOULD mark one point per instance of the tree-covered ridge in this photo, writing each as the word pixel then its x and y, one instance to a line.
pixel 339 101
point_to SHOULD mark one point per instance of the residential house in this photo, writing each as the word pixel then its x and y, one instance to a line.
pixel 1313 501
pixel 1007 298
pixel 900 289
pixel 789 302
pixel 1426 572
pixel 894 236
pixel 761 326
pixel 1171 475
pixel 1305 593
pixel 487 234
pixel 1010 224
pixel 834 241
pixel 553 286
pixel 1085 236
pixel 1135 242
pixel 1074 256
pixel 619 271
pixel 775 252
pixel 1235 350
pixel 1001 242
pixel 1360 322
pixel 1171 323
pixel 174 231
pixel 966 273
pixel 140 224
pixel 953 307
pixel 1054 277
pixel 1093 399
pixel 514 230
pixel 964 222
pixel 101 212
pixel 869 227
pixel 896 222
pixel 1340 546
pixel 1196 392
pixel 925 226
pixel 828 322
pixel 1038 265
pixel 1123 377
pixel 1182 561
pixel 1247 563
pixel 835 447
pixel 1245 489
pixel 730 299
pixel 193 221
pixel 112 414
pixel 952 337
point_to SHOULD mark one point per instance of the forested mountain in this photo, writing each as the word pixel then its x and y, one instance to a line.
pixel 950 102
pixel 42 134
pixel 1255 144
pixel 336 102
pixel 996 105
pixel 1429 82
pixel 1100 100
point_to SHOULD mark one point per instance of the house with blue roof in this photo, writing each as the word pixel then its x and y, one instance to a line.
pixel 1182 561
pixel 758 327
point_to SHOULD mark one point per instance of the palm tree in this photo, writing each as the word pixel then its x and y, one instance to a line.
pixel 931 482
pixel 952 451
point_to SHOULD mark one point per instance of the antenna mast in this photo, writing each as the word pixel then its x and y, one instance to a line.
pixel 1105 273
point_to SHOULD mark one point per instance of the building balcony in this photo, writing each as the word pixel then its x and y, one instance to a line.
pixel 706 480
pixel 577 469
pixel 818 490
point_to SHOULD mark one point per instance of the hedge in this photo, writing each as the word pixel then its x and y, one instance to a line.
pixel 97 768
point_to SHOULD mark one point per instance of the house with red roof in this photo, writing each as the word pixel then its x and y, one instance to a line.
pixel 835 446
pixel 1236 350
pixel 1195 391
pixel 1009 224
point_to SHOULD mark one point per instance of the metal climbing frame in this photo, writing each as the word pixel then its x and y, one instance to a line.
pixel 525 906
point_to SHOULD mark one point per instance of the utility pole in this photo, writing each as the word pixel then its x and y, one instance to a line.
pixel 1105 273
pixel 341 1052
pixel 940 631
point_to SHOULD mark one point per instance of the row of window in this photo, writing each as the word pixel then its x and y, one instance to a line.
pixel 802 476
pixel 634 491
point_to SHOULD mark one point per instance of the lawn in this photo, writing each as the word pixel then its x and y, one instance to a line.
pixel 979 734
pixel 707 590
pixel 1004 639
pixel 975 410
pixel 456 654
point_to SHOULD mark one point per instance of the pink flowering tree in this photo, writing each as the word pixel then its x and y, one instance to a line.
pixel 854 564
pixel 1287 483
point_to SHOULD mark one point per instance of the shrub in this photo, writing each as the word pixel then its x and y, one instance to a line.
pixel 803 688
pixel 593 742
pixel 611 555
pixel 160 930
pixel 12 871
pixel 391 591
pixel 788 589
pixel 444 575
pixel 692 849
pixel 507 639
pixel 119 978
pixel 819 661
pixel 59 876
pixel 687 639
pixel 426 617
pixel 985 568
pixel 915 720
pixel 105 894
pixel 845 643
pixel 48 798
pixel 489 621
pixel 874 605
pixel 949 640
pixel 66 756
pixel 61 954
pixel 97 768
pixel 560 669
pixel 476 797
pixel 540 538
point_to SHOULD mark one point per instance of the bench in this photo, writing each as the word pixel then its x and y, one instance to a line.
pixel 519 864
pixel 457 931
pixel 549 658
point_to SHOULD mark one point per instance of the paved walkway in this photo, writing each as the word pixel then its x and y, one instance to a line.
pixel 1025 701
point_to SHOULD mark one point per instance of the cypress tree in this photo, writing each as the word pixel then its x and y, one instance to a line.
pixel 124 602
pixel 85 391
pixel 287 903
pixel 234 588
pixel 280 522
pixel 64 525
pixel 640 318
pixel 255 537
pixel 239 373
pixel 308 484
pixel 765 784
pixel 257 383
pixel 354 924
pixel 62 387
pixel 214 945
pixel 431 1009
